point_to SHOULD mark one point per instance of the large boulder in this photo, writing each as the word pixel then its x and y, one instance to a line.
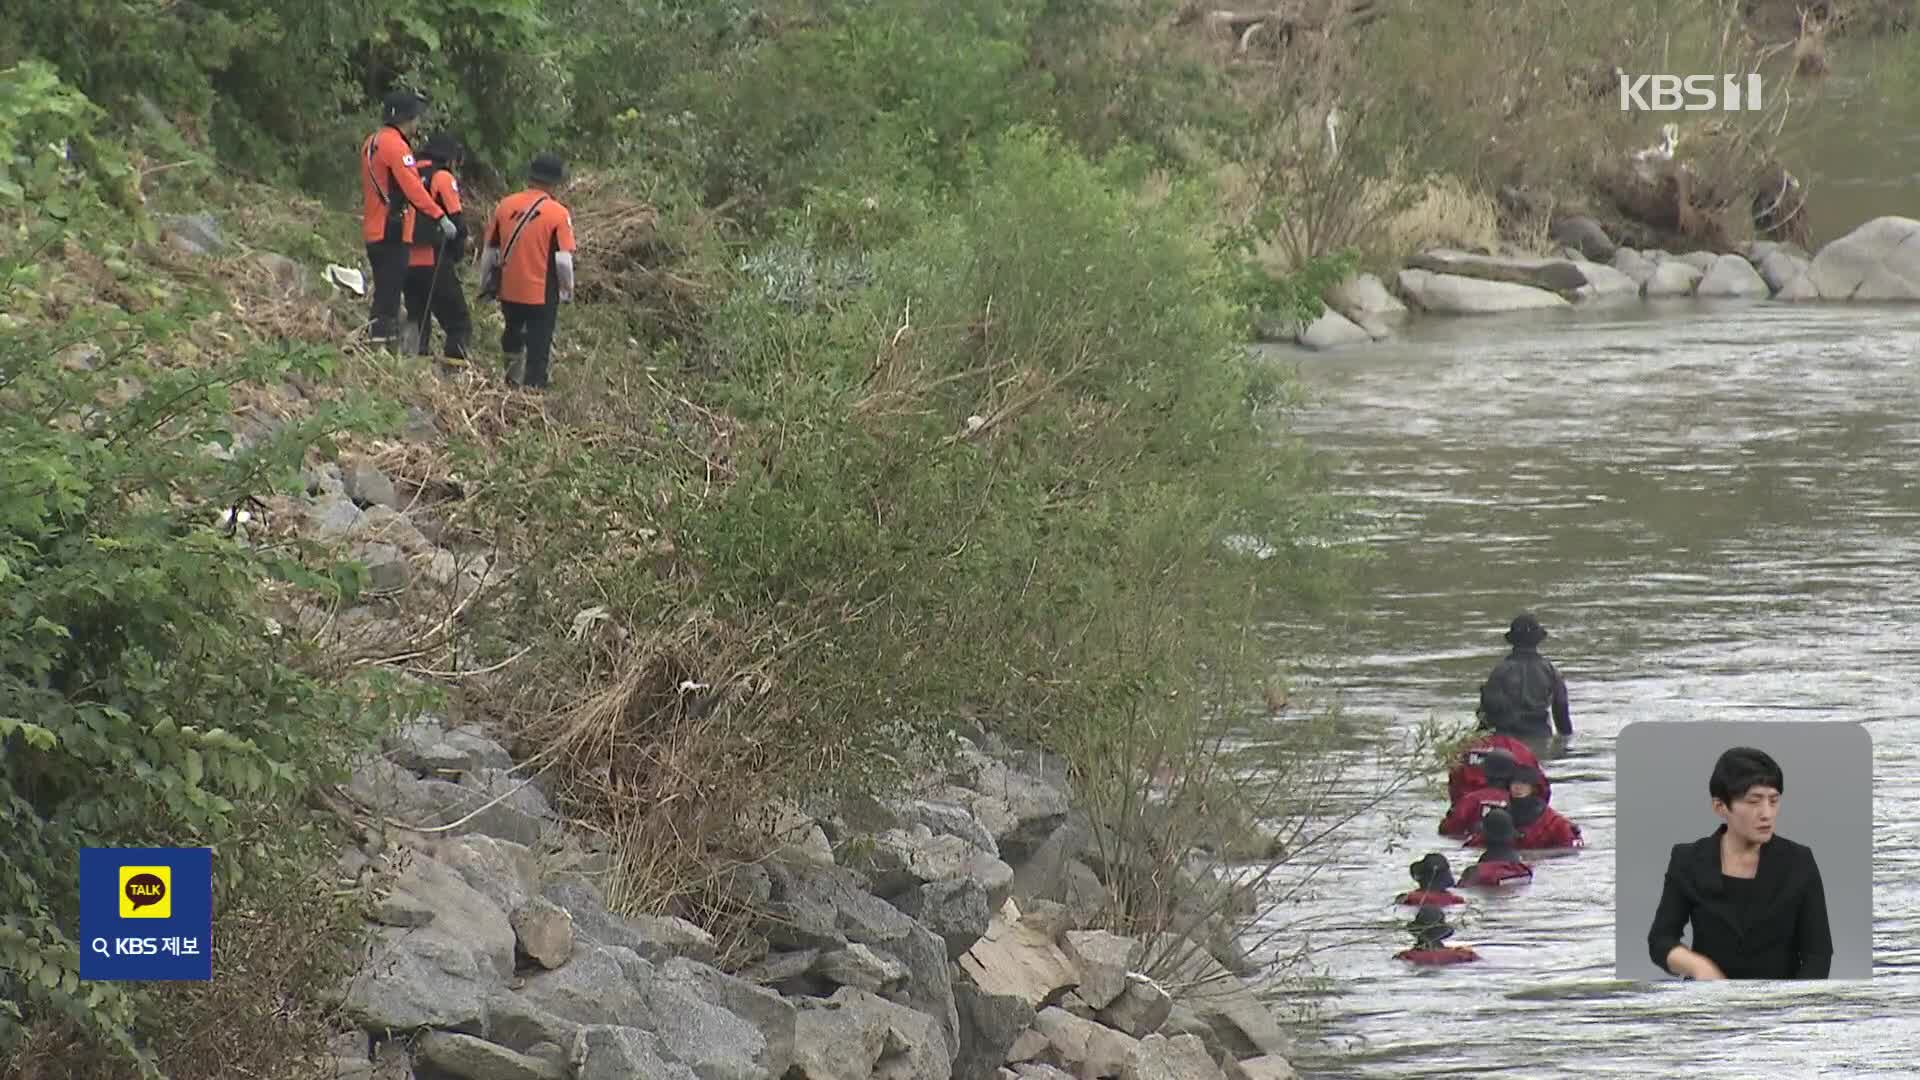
pixel 1552 275
pixel 1453 294
pixel 1879 260
pixel 1584 235
pixel 1368 304
pixel 1182 1057
pixel 441 950
pixel 1331 330
pixel 1671 278
pixel 855 1035
pixel 1018 959
pixel 1732 276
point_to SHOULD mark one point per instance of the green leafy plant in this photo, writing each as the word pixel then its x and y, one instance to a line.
pixel 145 697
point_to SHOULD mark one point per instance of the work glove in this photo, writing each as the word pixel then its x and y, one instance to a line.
pixel 566 296
pixel 448 230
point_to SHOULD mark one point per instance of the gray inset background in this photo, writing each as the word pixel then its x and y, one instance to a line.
pixel 1661 787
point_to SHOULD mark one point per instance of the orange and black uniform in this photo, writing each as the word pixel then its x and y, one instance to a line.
pixel 433 289
pixel 390 188
pixel 530 239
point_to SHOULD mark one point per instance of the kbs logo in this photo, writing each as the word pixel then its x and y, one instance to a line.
pixel 1690 93
pixel 146 892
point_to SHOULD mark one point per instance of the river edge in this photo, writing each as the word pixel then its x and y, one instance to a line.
pixel 946 933
pixel 1872 264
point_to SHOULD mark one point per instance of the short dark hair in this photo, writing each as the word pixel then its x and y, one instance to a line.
pixel 1741 769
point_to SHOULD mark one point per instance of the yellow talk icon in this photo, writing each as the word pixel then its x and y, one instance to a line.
pixel 146 892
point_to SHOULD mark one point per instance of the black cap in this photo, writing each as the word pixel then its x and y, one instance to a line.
pixel 1500 767
pixel 1430 925
pixel 444 148
pixel 400 106
pixel 1526 630
pixel 547 169
pixel 1498 829
pixel 1432 872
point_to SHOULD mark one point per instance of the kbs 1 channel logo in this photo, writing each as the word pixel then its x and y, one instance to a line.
pixel 1689 93
pixel 146 913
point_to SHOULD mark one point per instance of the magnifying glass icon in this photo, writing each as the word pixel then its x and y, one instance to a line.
pixel 99 945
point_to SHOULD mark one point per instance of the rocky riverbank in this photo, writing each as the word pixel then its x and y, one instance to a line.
pixel 945 933
pixel 1877 262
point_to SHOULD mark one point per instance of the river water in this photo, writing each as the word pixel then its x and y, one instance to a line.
pixel 1715 509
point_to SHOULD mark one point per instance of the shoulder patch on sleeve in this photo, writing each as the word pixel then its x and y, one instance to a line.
pixel 407 161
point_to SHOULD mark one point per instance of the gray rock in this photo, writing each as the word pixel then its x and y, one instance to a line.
pixel 900 860
pixel 1332 330
pixel 476 1059
pixel 593 988
pixel 287 276
pixel 624 1053
pixel 325 479
pixel 383 524
pixel 1604 283
pixel 1671 278
pixel 855 1035
pixel 544 932
pixel 1264 1067
pixel 333 517
pixel 713 1042
pixel 1633 264
pixel 771 1015
pixel 1780 267
pixel 1082 1046
pixel 1879 260
pixel 1800 289
pixel 1103 959
pixel 1584 235
pixel 859 966
pixel 1182 1057
pixel 1032 1071
pixel 989 1026
pixel 780 967
pixel 368 486
pixel 518 1024
pixel 1363 299
pixel 387 567
pixel 194 234
pixel 426 746
pixel 1453 294
pixel 958 911
pixel 1732 276
pixel 1543 275
pixel 949 819
pixel 1702 261
pixel 1141 1008
pixel 436 974
pixel 501 870
pixel 656 939
pixel 852 914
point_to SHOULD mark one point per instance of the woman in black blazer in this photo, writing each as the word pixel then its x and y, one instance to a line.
pixel 1756 901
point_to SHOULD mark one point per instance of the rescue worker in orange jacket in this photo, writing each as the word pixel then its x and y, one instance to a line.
pixel 433 289
pixel 528 266
pixel 389 188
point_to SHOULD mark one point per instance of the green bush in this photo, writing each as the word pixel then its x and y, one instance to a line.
pixel 145 699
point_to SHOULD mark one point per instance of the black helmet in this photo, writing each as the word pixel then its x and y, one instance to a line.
pixel 1497 827
pixel 547 169
pixel 1500 767
pixel 1429 926
pixel 400 106
pixel 1432 872
pixel 1526 630
pixel 444 148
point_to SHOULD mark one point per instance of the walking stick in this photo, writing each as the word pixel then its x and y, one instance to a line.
pixel 433 292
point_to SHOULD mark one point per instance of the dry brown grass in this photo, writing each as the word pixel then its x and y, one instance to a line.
pixel 669 747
